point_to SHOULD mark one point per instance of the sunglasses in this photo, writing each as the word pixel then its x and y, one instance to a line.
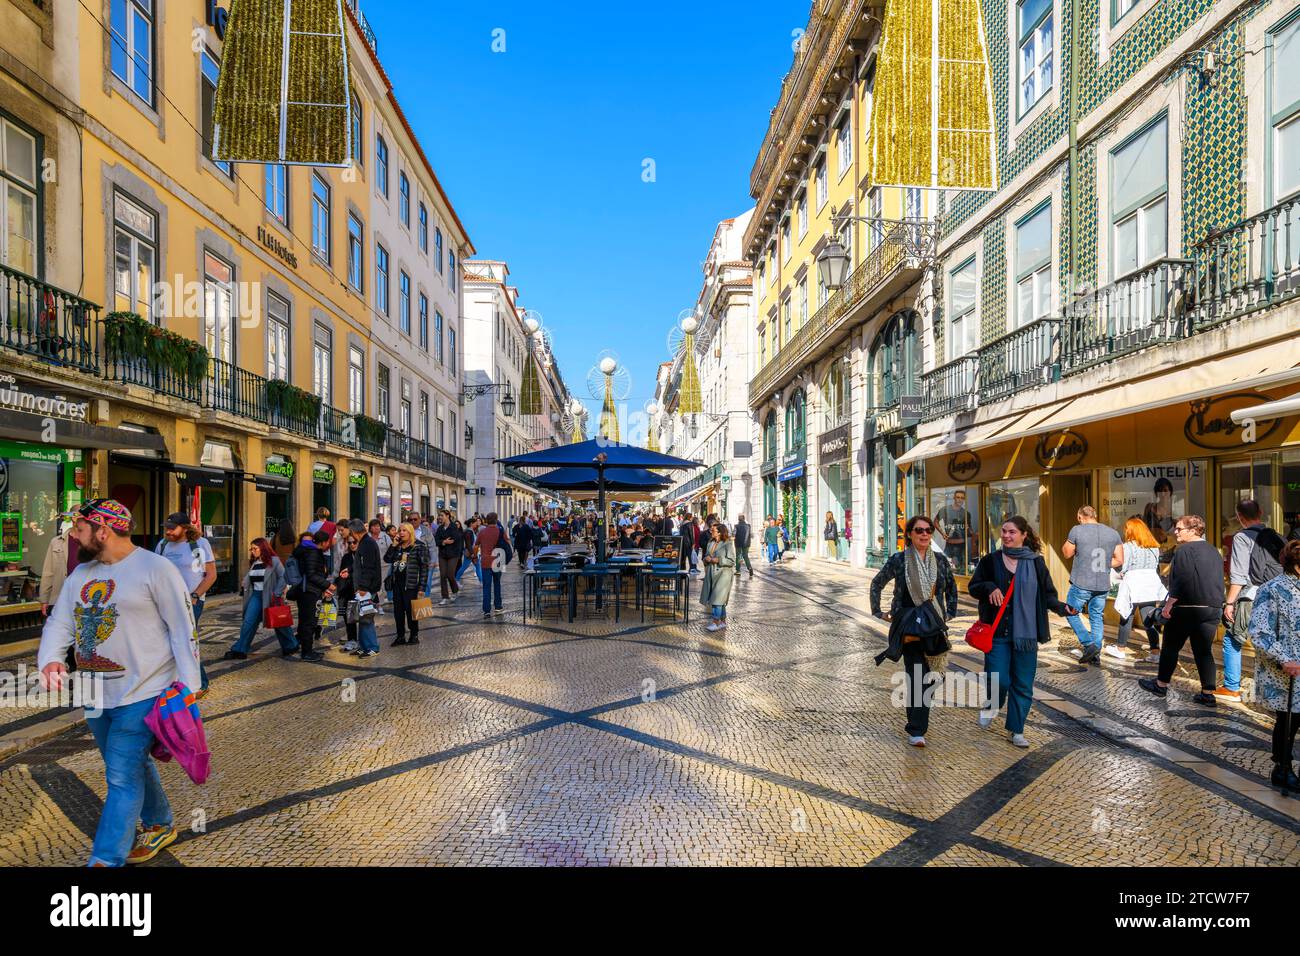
pixel 923 531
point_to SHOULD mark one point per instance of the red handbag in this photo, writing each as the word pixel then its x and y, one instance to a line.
pixel 277 614
pixel 980 635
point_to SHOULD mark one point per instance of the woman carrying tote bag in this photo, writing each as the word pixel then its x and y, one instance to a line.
pixel 264 586
pixel 925 598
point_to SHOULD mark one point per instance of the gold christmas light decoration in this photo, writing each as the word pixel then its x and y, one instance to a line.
pixel 609 381
pixel 530 388
pixel 652 432
pixel 932 114
pixel 282 95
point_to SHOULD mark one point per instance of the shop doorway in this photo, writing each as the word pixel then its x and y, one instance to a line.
pixel 1066 494
pixel 279 507
pixel 322 489
pixel 144 486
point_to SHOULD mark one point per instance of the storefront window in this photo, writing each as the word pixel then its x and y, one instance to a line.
pixel 1239 480
pixel 955 512
pixel 1159 494
pixel 1007 498
pixel 1289 494
pixel 408 499
pixel 384 499
pixel 29 511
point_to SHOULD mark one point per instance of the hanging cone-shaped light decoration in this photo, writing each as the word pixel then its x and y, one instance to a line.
pixel 608 414
pixel 530 388
pixel 652 439
pixel 690 401
pixel 579 430
pixel 932 117
pixel 282 96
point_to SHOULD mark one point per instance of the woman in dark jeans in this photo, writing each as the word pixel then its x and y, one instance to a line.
pixel 1013 661
pixel 408 560
pixel 920 573
pixel 1192 610
pixel 1275 631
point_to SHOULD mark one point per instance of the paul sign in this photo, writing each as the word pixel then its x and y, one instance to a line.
pixel 1060 449
pixel 1210 423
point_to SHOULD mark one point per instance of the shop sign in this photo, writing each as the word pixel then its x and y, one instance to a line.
pixel 833 445
pixel 888 422
pixel 322 475
pixel 25 397
pixel 26 452
pixel 357 479
pixel 11 536
pixel 1060 449
pixel 726 481
pixel 280 467
pixel 909 409
pixel 273 243
pixel 217 18
pixel 963 466
pixel 504 492
pixel 767 468
pixel 790 473
pixel 1210 423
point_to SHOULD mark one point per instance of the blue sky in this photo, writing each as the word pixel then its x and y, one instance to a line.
pixel 541 147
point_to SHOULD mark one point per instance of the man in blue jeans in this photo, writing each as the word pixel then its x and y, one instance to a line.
pixel 128 613
pixel 1093 547
pixel 492 553
pixel 367 579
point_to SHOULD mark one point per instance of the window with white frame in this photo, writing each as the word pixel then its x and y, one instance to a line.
pixel 135 255
pixel 358 147
pixel 356 253
pixel 451 269
pixel 404 302
pixel 131 29
pixel 18 164
pixel 382 389
pixel 1118 9
pixel 437 248
pixel 803 215
pixel 451 349
pixel 1034 266
pixel 275 190
pixel 381 279
pixel 320 216
pixel 424 322
pixel 963 316
pixel 844 146
pixel 823 188
pixel 437 335
pixel 381 164
pixel 875 209
pixel 404 199
pixel 218 307
pixel 356 381
pixel 1285 101
pixel 424 416
pixel 1034 59
pixel 803 302
pixel 787 320
pixel 785 240
pixel 321 350
pixel 209 73
pixel 762 345
pixel 277 337
pixel 1139 201
pixel 424 229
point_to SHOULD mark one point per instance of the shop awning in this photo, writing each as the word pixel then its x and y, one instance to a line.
pixel 269 482
pixel 22 426
pixel 197 476
pixel 1258 368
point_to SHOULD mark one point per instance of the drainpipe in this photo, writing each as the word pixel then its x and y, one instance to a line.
pixel 1073 107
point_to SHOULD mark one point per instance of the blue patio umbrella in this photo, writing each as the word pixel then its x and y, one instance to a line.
pixel 600 455
pixel 588 479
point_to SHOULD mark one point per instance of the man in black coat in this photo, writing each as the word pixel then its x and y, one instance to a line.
pixel 521 536
pixel 450 542
pixel 367 580
pixel 742 538
pixel 315 585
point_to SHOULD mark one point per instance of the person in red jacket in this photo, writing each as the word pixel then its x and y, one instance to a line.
pixel 490 539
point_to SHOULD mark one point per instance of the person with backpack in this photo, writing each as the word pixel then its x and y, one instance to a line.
pixel 771 539
pixel 491 536
pixel 521 537
pixel 742 538
pixel 192 555
pixel 315 584
pixel 1253 561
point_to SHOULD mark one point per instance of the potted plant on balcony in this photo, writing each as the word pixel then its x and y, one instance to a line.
pixel 286 401
pixel 128 337
pixel 370 431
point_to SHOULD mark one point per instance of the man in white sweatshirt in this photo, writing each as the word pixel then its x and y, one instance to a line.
pixel 128 613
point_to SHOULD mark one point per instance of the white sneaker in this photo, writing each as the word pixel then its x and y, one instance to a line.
pixel 1019 740
pixel 444 602
pixel 916 741
pixel 1152 658
pixel 1110 650
pixel 351 646
pixel 499 610
pixel 986 719
pixel 1077 653
pixel 713 627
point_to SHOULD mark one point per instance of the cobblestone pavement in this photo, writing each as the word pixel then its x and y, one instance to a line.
pixel 775 742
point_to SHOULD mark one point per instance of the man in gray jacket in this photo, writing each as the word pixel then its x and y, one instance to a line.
pixel 742 539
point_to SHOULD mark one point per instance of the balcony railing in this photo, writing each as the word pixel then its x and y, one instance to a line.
pixel 902 248
pixel 236 391
pixel 1146 308
pixel 950 389
pixel 131 369
pixel 44 321
pixel 1249 266
pixel 397 446
pixel 1024 358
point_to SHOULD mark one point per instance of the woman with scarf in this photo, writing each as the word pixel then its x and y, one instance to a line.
pixel 925 598
pixel 408 560
pixel 1014 659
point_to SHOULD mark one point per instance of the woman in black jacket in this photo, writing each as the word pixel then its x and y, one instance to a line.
pixel 922 577
pixel 315 585
pixel 1012 663
pixel 409 563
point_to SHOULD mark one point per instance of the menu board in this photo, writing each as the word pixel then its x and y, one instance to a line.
pixel 668 547
pixel 11 536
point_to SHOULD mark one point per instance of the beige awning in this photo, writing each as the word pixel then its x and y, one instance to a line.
pixel 980 436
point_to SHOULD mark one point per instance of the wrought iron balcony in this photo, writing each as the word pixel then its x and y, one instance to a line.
pixel 892 265
pixel 950 389
pixel 1024 358
pixel 236 391
pixel 1143 309
pixel 1252 265
pixel 47 323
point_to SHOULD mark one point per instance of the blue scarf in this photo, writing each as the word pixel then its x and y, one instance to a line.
pixel 1024 602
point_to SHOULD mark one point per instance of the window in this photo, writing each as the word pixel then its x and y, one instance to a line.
pixel 277 337
pixel 18 198
pixel 131 45
pixel 437 336
pixel 785 241
pixel 912 201
pixel 356 381
pixel 424 228
pixel 1286 111
pixel 356 253
pixel 381 279
pixel 218 307
pixel 404 297
pixel 275 191
pixel 803 302
pixel 381 164
pixel 1034 266
pixel 321 378
pixel 424 417
pixel 803 215
pixel 452 446
pixel 762 345
pixel 437 248
pixel 822 186
pixel 762 278
pixel 382 406
pixel 135 252
pixel 440 435
pixel 451 350
pixel 404 199
pixel 794 422
pixel 210 70
pixel 404 422
pixel 424 322
pixel 963 326
pixel 844 146
pixel 358 154
pixel 786 315
pixel 1034 64
pixel 875 210
pixel 835 394
pixel 320 216
pixel 451 269
pixel 1138 198
pixel 1118 8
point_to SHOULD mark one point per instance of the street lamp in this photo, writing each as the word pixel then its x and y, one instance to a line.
pixel 833 265
pixel 508 403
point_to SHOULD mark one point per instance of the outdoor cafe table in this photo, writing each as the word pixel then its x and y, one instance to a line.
pixel 571 575
pixel 683 585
